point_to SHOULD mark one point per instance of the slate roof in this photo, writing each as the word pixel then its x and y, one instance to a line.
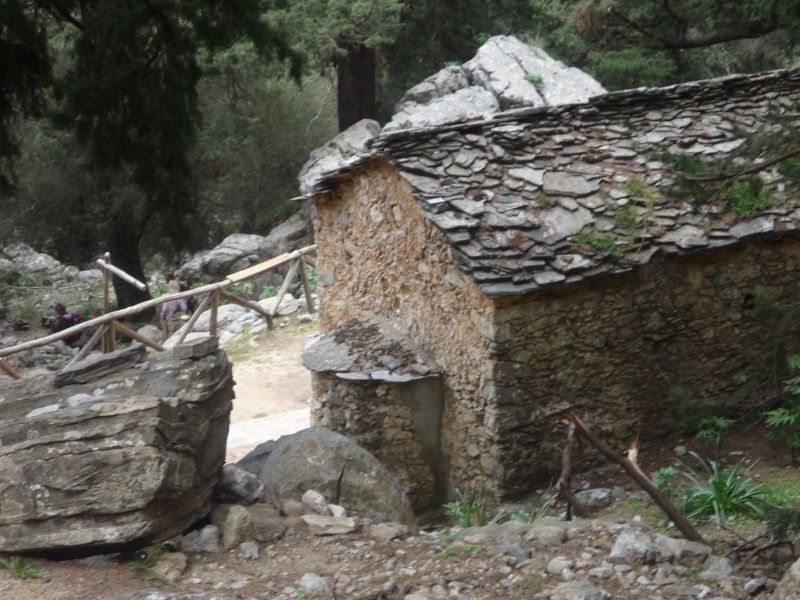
pixel 533 198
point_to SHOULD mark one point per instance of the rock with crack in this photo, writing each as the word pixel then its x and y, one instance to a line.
pixel 338 468
pixel 129 459
pixel 505 74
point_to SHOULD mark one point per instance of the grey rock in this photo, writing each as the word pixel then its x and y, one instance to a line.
pixel 235 524
pixel 497 78
pixel 238 485
pixel 314 586
pixel 130 469
pixel 205 540
pixel 789 584
pixel 547 532
pixel 316 502
pixel 388 531
pixel 320 459
pixel 98 366
pixel 328 525
pixel 578 589
pixel 640 544
pixel 340 152
pixel 562 183
pixel 195 348
pixel 755 586
pixel 716 568
pixel 597 498
pixel 558 222
pixel 156 595
pixel 558 564
pixel 249 550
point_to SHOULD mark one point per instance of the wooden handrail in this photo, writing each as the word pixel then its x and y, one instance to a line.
pixel 132 310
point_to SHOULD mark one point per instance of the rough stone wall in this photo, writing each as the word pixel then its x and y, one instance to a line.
pixel 378 256
pixel 378 419
pixel 611 350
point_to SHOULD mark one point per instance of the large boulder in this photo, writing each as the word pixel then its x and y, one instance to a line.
pixel 342 151
pixel 505 74
pixel 335 466
pixel 117 461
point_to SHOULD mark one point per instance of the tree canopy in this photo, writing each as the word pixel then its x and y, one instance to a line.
pixel 122 77
pixel 631 43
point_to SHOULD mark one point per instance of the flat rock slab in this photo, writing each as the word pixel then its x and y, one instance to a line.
pixel 195 348
pixel 99 366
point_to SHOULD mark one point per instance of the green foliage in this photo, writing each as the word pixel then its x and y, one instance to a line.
pixel 311 276
pixel 21 568
pixel 258 130
pixel 604 243
pixel 785 419
pixel 470 511
pixel 663 478
pixel 147 560
pixel 746 197
pixel 269 291
pixel 286 209
pixel 629 43
pixel 626 219
pixel 790 168
pixel 711 429
pixel 534 513
pixel 721 492
pixel 536 79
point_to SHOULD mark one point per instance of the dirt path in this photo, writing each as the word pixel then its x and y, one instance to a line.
pixel 272 385
pixel 270 376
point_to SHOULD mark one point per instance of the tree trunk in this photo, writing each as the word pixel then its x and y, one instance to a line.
pixel 123 245
pixel 356 84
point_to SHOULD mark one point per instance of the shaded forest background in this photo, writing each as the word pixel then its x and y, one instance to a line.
pixel 155 126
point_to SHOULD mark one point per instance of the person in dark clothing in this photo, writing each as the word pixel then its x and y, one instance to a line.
pixel 65 320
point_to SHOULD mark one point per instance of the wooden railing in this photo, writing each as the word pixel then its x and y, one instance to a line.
pixel 108 324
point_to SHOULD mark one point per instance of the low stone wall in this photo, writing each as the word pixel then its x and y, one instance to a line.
pixel 610 351
pixel 381 418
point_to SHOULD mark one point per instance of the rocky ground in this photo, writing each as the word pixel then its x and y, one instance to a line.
pixel 577 560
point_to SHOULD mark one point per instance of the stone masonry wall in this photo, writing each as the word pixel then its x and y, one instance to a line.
pixel 611 350
pixel 378 256
pixel 377 418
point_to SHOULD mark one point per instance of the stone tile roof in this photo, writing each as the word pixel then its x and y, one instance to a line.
pixel 533 198
pixel 369 350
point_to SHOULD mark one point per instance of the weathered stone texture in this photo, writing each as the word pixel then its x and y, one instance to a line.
pixel 611 351
pixel 378 241
pixel 121 462
pixel 379 419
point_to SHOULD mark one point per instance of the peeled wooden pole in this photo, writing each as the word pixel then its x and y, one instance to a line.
pixel 9 370
pixel 124 330
pixel 306 286
pixel 190 323
pixel 285 285
pixel 87 347
pixel 248 304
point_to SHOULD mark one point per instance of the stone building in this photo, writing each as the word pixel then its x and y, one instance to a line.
pixel 479 280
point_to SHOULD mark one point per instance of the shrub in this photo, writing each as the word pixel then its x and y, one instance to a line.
pixel 723 493
pixel 785 420
pixel 21 568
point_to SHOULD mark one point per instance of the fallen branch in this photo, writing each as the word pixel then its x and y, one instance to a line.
pixel 683 525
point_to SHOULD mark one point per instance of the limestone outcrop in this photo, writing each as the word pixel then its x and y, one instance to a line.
pixel 505 74
pixel 118 460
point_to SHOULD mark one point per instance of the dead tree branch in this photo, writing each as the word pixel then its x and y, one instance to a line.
pixel 643 481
